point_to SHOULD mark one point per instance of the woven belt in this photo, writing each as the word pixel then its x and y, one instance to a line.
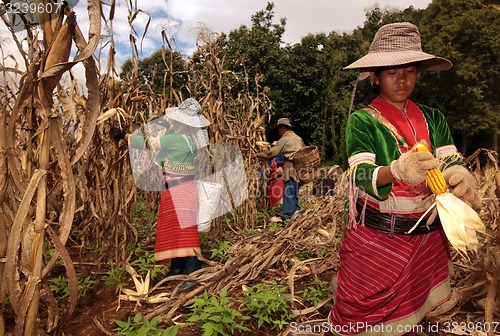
pixel 401 225
pixel 178 167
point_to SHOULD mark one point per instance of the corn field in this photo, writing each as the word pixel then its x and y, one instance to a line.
pixel 61 172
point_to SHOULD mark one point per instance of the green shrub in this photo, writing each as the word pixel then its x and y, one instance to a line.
pixel 268 304
pixel 60 285
pixel 215 315
pixel 142 326
pixel 220 252
pixel 115 276
pixel 316 294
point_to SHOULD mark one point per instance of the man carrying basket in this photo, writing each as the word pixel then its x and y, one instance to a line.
pixel 288 144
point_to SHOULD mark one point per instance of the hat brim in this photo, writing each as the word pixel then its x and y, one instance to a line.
pixel 287 125
pixel 194 121
pixel 373 61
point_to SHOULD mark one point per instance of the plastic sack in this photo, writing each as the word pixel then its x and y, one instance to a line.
pixel 209 194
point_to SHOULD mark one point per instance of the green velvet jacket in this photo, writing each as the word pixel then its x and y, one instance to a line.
pixel 368 151
pixel 173 152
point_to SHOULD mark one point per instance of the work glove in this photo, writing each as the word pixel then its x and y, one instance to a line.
pixel 117 133
pixel 411 167
pixel 463 185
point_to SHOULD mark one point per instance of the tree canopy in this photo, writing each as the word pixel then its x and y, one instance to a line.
pixel 307 82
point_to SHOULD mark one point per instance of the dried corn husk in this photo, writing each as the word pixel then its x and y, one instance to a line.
pixel 262 144
pixel 111 112
pixel 46 17
pixel 259 121
pixel 141 290
pixel 460 222
pixel 3 155
pixel 59 52
pixel 497 182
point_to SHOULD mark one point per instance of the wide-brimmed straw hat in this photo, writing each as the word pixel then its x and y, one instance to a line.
pixel 188 113
pixel 283 121
pixel 397 44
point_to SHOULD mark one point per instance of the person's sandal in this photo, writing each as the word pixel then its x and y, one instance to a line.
pixel 188 285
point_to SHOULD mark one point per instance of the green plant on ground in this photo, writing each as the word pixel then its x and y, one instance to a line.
pixel 50 255
pixel 268 212
pixel 220 252
pixel 60 285
pixel 84 284
pixel 140 325
pixel 115 276
pixel 146 262
pixel 250 231
pixel 323 252
pixel 278 226
pixel 228 233
pixel 143 218
pixel 215 315
pixel 268 303
pixel 317 293
pixel 93 249
pixel 205 239
pixel 303 255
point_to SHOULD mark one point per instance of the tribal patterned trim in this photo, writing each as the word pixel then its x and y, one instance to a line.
pixel 448 150
pixel 365 157
pixel 374 181
pixel 178 167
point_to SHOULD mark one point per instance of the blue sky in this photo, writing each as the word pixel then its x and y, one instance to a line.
pixel 182 18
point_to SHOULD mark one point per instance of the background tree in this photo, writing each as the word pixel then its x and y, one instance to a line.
pixel 468 93
pixel 307 82
pixel 257 52
pixel 163 70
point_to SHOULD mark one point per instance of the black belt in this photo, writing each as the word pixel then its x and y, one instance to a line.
pixel 172 183
pixel 401 224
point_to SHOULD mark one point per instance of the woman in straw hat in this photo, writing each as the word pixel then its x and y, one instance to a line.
pixel 177 236
pixel 389 280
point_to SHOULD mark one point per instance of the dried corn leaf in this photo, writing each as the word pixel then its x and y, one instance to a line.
pixel 70 272
pixel 57 53
pixel 11 270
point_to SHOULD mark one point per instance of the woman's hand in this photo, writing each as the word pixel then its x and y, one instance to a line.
pixel 463 185
pixel 412 167
pixel 118 133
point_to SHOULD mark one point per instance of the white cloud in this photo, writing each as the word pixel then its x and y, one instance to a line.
pixel 184 17
pixel 303 17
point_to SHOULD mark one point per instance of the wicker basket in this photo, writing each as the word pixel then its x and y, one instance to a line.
pixel 307 162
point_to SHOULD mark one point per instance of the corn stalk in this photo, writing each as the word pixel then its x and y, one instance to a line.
pixel 44 172
pixel 3 219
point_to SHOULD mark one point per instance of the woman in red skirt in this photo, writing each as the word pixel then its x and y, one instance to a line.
pixel 176 151
pixel 389 280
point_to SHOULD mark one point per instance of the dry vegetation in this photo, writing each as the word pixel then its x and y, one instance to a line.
pixel 60 172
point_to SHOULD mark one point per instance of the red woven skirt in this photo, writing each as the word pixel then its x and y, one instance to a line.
pixel 275 190
pixel 177 231
pixel 389 282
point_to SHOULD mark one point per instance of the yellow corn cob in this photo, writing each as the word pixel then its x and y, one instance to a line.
pixel 434 177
